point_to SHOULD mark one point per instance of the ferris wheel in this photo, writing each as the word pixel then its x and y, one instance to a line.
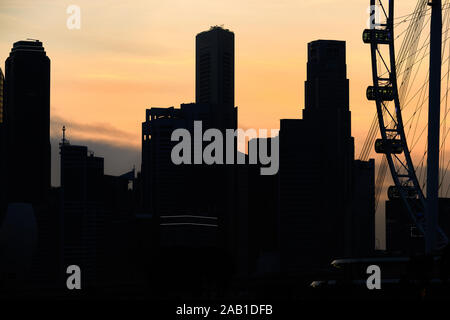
pixel 404 84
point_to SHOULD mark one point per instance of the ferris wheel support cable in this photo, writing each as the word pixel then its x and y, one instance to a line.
pixel 402 171
pixel 411 45
pixel 420 90
pixel 426 126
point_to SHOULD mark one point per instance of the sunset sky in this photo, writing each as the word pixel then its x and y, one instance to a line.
pixel 133 55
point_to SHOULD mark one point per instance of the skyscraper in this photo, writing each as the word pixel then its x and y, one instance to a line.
pixel 316 164
pixel 27 123
pixel 194 206
pixel 215 108
pixel 215 67
pixel 327 86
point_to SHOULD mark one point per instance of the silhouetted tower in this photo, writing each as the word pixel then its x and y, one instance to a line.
pixel 27 123
pixel 316 158
pixel 215 67
pixel 327 86
pixel 327 83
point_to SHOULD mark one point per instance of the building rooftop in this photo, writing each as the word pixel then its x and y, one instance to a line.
pixel 28 45
pixel 216 28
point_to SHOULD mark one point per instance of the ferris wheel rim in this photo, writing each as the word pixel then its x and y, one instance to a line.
pixel 416 209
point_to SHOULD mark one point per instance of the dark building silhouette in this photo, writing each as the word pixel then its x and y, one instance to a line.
pixel 27 123
pixel 46 273
pixel 187 216
pixel 214 78
pixel 327 86
pixel 97 217
pixel 362 241
pixel 215 67
pixel 316 164
pixel 185 198
pixel 402 235
pixel 194 206
pixel 196 225
pixel 262 229
pixel 158 171
pixel 2 81
pixel 25 152
pixel 182 211
pixel 200 191
pixel 82 211
pixel 2 150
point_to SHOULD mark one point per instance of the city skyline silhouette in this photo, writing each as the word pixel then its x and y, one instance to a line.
pixel 215 217
pixel 85 194
pixel 151 73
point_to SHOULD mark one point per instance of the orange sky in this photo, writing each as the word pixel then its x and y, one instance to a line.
pixel 132 55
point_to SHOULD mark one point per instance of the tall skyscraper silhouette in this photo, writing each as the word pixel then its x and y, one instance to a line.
pixel 316 164
pixel 27 123
pixel 215 67
pixel 193 206
pixel 327 86
pixel 162 180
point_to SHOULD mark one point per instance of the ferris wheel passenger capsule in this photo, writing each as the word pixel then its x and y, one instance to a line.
pixel 393 146
pixel 410 192
pixel 385 93
pixel 379 36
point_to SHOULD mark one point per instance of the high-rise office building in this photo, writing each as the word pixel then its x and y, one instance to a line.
pixel 215 92
pixel 27 123
pixel 25 152
pixel 327 86
pixel 214 73
pixel 186 215
pixel 194 206
pixel 214 107
pixel 215 67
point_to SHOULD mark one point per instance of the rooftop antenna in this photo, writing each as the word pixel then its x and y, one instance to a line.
pixel 64 141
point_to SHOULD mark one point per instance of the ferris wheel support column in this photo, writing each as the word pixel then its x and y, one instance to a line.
pixel 432 209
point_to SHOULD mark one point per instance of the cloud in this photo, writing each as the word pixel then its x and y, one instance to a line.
pixel 103 133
